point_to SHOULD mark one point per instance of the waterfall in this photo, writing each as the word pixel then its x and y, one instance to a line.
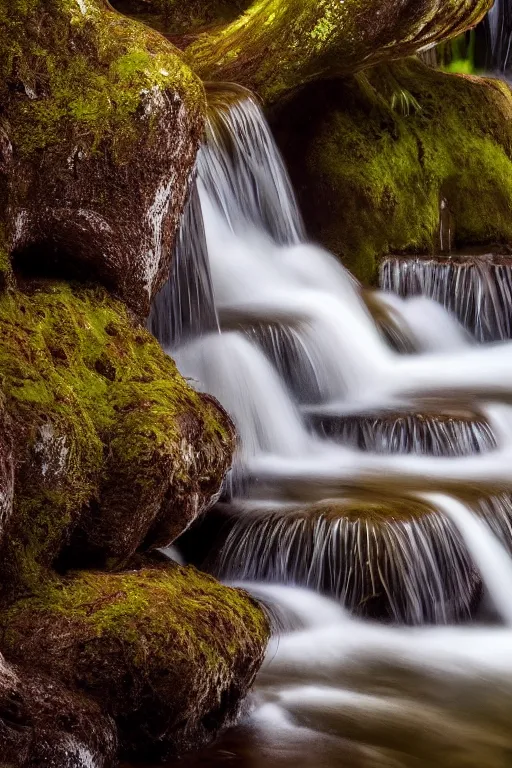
pixel 499 23
pixel 348 404
pixel 428 434
pixel 397 559
pixel 477 290
pixel 185 307
pixel 491 559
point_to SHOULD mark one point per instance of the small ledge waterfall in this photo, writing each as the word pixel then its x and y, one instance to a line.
pixel 476 289
pixel 349 406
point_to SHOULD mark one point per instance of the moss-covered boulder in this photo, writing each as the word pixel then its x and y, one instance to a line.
pixel 44 724
pixel 280 45
pixel 99 127
pixel 112 449
pixel 379 154
pixel 167 651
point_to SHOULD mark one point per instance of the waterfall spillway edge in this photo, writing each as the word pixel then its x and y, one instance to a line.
pixel 375 453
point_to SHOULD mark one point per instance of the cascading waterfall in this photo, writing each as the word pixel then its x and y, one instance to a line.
pixel 340 431
pixel 499 23
pixel 335 690
pixel 398 559
pixel 477 290
pixel 431 435
pixel 185 307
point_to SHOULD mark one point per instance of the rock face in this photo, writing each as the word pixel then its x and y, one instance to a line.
pixel 44 724
pixel 99 128
pixel 280 45
pixel 379 153
pixel 167 651
pixel 113 450
pixel 106 451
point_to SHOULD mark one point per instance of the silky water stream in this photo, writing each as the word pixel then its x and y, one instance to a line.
pixel 369 504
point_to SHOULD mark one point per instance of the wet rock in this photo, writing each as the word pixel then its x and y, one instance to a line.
pixel 103 463
pixel 44 724
pixel 377 155
pixel 278 46
pixel 168 652
pixel 100 124
pixel 6 470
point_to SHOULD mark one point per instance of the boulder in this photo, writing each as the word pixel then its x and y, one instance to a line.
pixel 168 652
pixel 44 724
pixel 99 129
pixel 277 46
pixel 113 450
pixel 380 154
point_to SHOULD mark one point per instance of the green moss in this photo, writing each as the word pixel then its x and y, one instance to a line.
pixel 168 651
pixel 91 395
pixel 82 76
pixel 146 604
pixel 371 176
pixel 278 46
pixel 178 18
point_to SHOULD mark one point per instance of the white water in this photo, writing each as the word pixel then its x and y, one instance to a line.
pixel 338 691
pixel 398 697
pixel 298 342
pixel 335 689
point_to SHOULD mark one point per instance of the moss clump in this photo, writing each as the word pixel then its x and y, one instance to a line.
pixel 278 46
pixel 378 154
pixel 101 119
pixel 110 441
pixel 75 68
pixel 169 652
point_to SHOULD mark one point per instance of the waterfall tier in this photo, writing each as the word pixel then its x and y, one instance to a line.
pixel 476 289
pixel 338 394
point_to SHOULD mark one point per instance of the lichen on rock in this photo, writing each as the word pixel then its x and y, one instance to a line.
pixel 99 128
pixel 167 651
pixel 380 152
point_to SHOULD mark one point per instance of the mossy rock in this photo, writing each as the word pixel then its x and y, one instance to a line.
pixel 113 451
pixel 100 124
pixel 180 20
pixel 167 651
pixel 277 46
pixel 379 152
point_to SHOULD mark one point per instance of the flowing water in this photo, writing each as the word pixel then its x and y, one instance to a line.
pixel 373 476
pixel 499 24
